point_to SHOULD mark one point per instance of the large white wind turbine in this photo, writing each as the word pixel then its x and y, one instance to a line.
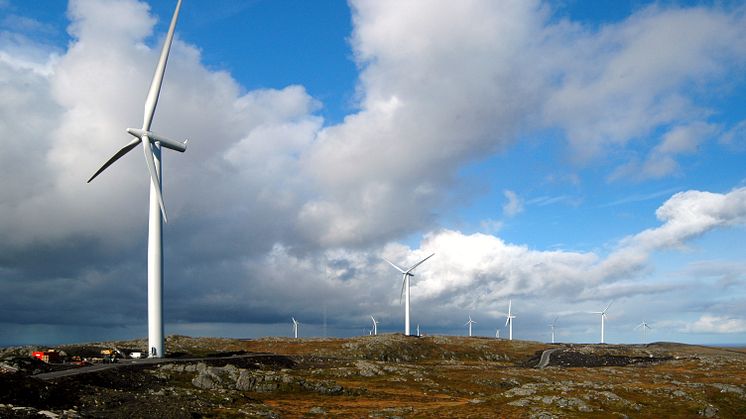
pixel 406 273
pixel 554 323
pixel 151 146
pixel 375 325
pixel 509 320
pixel 644 326
pixel 603 319
pixel 295 327
pixel 469 323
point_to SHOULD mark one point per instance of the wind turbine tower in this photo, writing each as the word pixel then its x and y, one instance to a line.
pixel 375 326
pixel 644 326
pixel 603 319
pixel 497 333
pixel 554 323
pixel 295 327
pixel 151 145
pixel 406 274
pixel 509 320
pixel 469 323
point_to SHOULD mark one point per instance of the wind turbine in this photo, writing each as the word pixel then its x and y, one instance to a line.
pixel 418 330
pixel 375 326
pixel 406 273
pixel 469 323
pixel 295 327
pixel 603 318
pixel 509 320
pixel 643 326
pixel 151 145
pixel 554 323
pixel 497 333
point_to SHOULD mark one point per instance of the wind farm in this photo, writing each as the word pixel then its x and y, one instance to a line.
pixel 535 147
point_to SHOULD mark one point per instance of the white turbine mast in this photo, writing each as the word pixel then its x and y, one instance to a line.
pixel 151 146
pixel 375 326
pixel 295 327
pixel 418 330
pixel 553 325
pixel 645 327
pixel 469 323
pixel 497 333
pixel 509 320
pixel 406 274
pixel 603 319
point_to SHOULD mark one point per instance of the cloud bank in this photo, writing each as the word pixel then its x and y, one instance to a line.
pixel 271 204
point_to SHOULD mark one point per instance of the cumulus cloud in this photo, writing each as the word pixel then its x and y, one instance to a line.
pixel 685 216
pixel 708 323
pixel 270 204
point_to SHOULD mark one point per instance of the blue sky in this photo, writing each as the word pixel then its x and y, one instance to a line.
pixel 557 154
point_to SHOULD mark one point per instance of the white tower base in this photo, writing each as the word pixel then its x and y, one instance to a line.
pixel 155 266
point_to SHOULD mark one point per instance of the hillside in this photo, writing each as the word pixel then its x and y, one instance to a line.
pixel 387 376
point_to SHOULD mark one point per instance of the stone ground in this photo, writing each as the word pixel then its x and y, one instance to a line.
pixel 387 376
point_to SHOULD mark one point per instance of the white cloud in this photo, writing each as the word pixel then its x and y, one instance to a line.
pixel 682 139
pixel 735 137
pixel 514 204
pixel 491 226
pixel 265 183
pixel 629 78
pixel 708 323
pixel 685 216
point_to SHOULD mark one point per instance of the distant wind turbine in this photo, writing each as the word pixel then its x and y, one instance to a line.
pixel 295 327
pixel 406 273
pixel 644 326
pixel 375 326
pixel 418 330
pixel 509 320
pixel 469 323
pixel 554 323
pixel 497 333
pixel 603 318
pixel 151 146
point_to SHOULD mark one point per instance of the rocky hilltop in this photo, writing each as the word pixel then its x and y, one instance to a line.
pixel 383 376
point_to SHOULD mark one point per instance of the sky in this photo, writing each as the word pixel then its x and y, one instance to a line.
pixel 562 155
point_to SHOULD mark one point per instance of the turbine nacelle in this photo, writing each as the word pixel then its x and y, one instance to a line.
pixel 153 137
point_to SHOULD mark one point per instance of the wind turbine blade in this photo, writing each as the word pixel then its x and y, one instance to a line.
pixel 419 263
pixel 608 305
pixel 510 304
pixel 153 174
pixel 124 150
pixel 507 321
pixel 403 283
pixel 394 265
pixel 160 69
